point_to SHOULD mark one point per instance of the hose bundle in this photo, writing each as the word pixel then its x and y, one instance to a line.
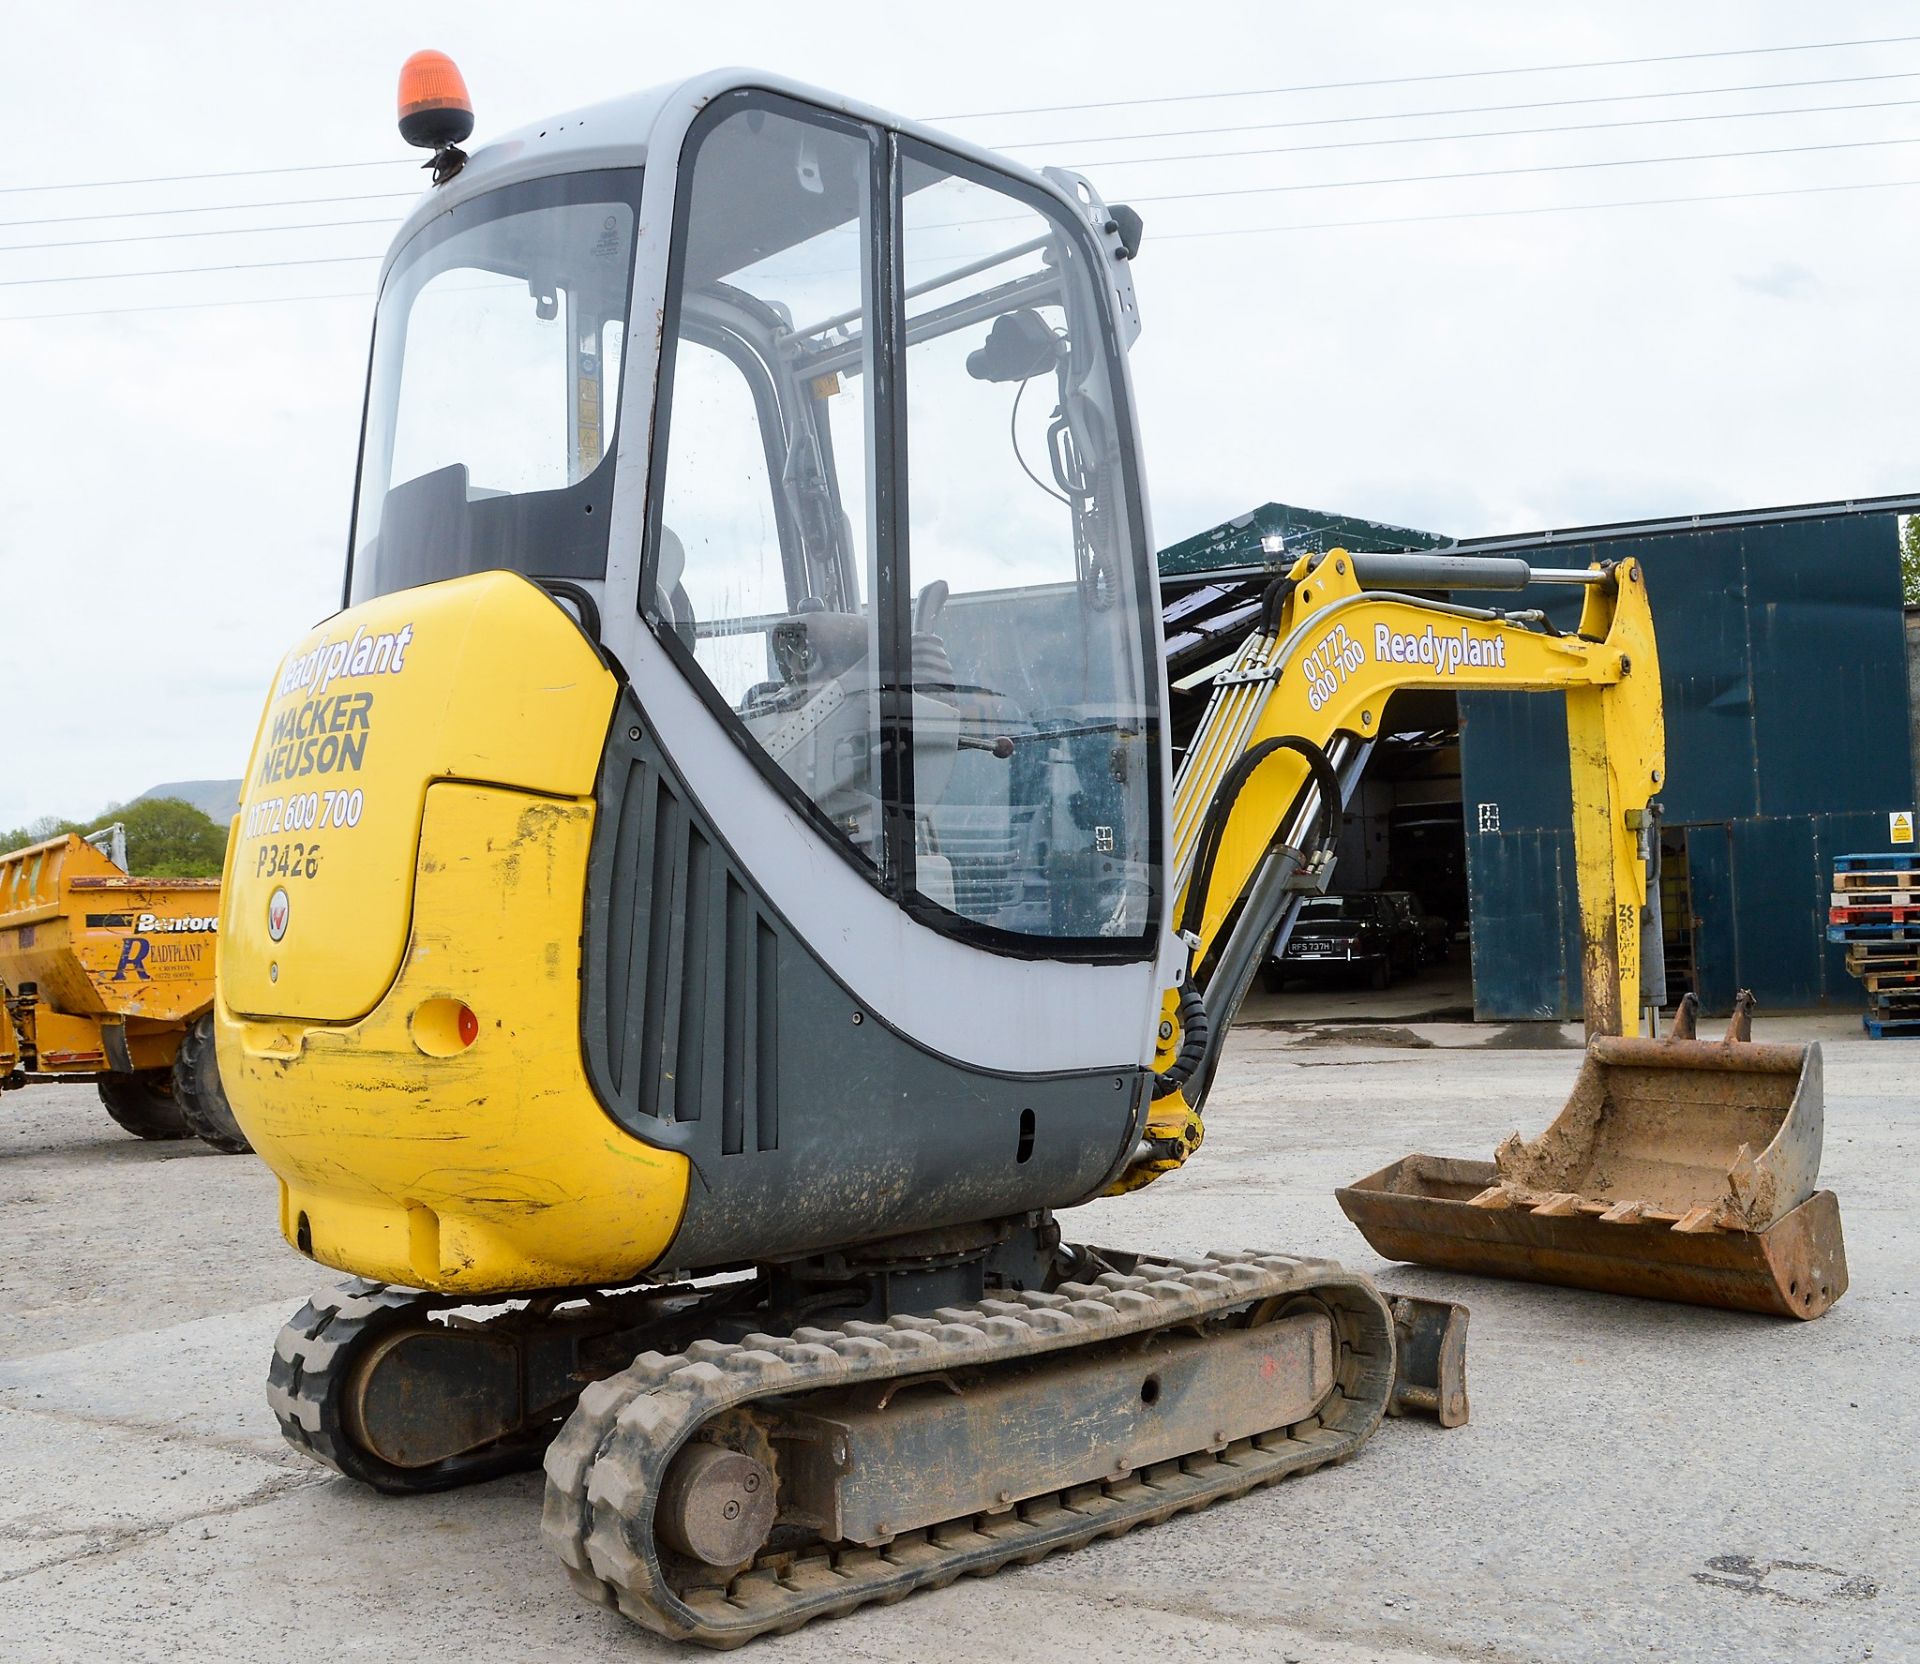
pixel 1193 1042
pixel 1195 1026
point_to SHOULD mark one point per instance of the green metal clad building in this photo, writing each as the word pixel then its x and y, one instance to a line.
pixel 1790 739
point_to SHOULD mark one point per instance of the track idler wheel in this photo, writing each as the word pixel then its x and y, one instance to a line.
pixel 716 1505
pixel 144 1105
pixel 198 1093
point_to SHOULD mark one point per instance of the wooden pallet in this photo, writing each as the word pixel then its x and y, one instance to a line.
pixel 1882 878
pixel 1855 916
pixel 1907 935
pixel 1874 909
pixel 1878 865
pixel 1880 1030
pixel 1884 951
pixel 1890 982
pixel 1876 898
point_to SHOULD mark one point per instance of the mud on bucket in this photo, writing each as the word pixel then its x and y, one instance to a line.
pixel 1679 1169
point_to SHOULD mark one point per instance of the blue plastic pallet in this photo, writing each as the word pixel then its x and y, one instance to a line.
pixel 1907 861
pixel 1882 1030
pixel 1873 932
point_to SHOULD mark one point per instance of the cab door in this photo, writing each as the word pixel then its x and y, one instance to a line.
pixel 875 917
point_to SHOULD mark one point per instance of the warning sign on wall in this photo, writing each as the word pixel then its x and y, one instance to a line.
pixel 1900 826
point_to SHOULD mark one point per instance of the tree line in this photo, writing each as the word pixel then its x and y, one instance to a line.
pixel 166 837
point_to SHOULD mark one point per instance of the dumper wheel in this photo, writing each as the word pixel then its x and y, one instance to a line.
pixel 198 1092
pixel 144 1104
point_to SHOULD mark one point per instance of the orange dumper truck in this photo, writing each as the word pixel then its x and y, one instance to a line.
pixel 108 978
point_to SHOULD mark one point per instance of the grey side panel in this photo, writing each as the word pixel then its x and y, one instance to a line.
pixel 708 1027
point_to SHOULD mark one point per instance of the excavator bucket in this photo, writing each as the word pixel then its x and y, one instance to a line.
pixel 1680 1169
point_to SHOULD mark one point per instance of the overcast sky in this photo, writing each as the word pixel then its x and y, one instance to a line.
pixel 174 484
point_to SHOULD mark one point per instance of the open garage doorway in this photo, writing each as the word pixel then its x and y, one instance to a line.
pixel 1390 940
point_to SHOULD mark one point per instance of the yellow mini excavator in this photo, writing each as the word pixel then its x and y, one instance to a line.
pixel 720 887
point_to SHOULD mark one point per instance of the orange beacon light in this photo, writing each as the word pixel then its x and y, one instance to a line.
pixel 435 111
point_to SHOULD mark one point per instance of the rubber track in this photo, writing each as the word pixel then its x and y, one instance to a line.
pixel 305 1352
pixel 605 1467
pixel 307 1378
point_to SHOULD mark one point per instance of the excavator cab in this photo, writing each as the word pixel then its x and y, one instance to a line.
pixel 812 628
pixel 885 520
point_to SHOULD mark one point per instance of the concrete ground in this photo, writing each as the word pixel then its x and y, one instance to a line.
pixel 1639 1480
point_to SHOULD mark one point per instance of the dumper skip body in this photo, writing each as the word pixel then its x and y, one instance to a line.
pixel 109 977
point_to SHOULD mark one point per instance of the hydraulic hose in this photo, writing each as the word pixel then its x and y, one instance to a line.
pixel 1193 1041
pixel 1195 1026
pixel 1220 811
pixel 1271 603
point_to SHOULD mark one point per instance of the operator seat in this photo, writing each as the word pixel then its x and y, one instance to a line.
pixel 670 595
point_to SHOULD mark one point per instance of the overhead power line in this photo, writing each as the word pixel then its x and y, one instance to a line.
pixel 175 236
pixel 1103 162
pixel 184 271
pixel 1103 104
pixel 1455 110
pixel 185 306
pixel 1492 133
pixel 1509 173
pixel 209 208
pixel 1520 213
pixel 1165 196
pixel 1159 237
pixel 1416 80
pixel 225 173
pixel 1081 138
pixel 1183 98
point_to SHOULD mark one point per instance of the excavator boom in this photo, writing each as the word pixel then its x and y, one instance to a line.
pixel 1288 730
pixel 1677 1169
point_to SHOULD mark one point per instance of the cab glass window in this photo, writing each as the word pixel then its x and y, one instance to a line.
pixel 1034 749
pixel 920 597
pixel 494 389
pixel 762 569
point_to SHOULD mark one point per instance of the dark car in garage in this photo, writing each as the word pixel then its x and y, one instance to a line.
pixel 1368 934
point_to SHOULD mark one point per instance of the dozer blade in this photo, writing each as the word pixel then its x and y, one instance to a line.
pixel 1680 1169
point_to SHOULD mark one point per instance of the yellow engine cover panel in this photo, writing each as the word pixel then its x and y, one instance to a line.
pixel 408 1155
pixel 478 678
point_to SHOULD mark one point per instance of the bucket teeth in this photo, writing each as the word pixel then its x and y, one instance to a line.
pixel 1740 1024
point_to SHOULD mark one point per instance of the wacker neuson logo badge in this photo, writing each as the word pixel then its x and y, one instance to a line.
pixel 278 907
